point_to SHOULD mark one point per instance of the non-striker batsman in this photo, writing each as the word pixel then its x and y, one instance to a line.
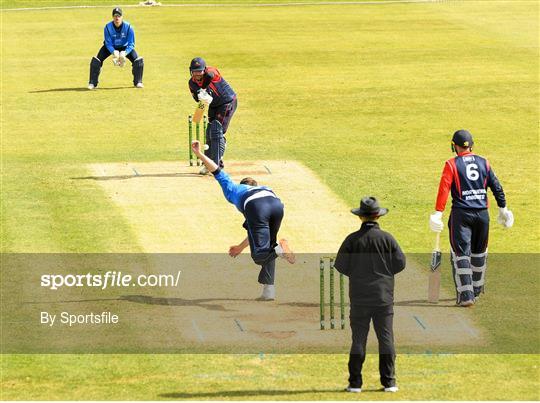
pixel 467 177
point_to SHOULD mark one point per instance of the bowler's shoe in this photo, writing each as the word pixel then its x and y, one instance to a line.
pixel 268 293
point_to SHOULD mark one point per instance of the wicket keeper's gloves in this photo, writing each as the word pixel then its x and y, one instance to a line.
pixel 435 221
pixel 122 58
pixel 505 218
pixel 116 56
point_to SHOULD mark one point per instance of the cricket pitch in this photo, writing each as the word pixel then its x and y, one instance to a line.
pixel 175 210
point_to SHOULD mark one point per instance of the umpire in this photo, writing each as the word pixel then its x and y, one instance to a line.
pixel 370 258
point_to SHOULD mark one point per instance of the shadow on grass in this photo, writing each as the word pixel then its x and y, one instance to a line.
pixel 212 304
pixel 208 303
pixel 124 177
pixel 78 89
pixel 443 303
pixel 256 393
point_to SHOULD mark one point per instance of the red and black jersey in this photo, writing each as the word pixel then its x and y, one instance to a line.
pixel 467 177
pixel 215 85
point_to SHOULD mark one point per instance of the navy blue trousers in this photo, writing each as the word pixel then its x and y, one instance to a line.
pixel 223 113
pixel 263 219
pixel 104 53
pixel 469 233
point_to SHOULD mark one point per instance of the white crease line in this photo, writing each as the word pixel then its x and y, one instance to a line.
pixel 197 330
pixel 469 329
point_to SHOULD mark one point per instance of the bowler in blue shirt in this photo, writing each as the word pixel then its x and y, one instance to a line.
pixel 263 212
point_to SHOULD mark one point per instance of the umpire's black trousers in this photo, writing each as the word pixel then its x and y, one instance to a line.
pixel 383 319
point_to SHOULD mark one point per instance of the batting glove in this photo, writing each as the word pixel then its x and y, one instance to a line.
pixel 205 97
pixel 435 221
pixel 505 218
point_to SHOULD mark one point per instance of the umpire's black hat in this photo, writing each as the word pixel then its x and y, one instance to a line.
pixel 117 11
pixel 369 207
pixel 462 138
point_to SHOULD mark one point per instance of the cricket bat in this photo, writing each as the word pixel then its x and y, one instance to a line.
pixel 199 112
pixel 434 283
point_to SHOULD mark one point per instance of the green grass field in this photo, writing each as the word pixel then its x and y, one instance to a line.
pixel 366 96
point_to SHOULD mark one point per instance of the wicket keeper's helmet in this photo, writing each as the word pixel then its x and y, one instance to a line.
pixel 197 64
pixel 462 138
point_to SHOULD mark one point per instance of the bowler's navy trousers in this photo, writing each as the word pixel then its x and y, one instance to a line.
pixel 263 219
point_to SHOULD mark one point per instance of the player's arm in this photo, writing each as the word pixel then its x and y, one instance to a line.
pixel 343 258
pixel 194 89
pixel 435 219
pixel 130 40
pixel 108 39
pixel 505 217
pixel 200 94
pixel 230 189
pixel 211 75
pixel 496 187
pixel 445 184
pixel 237 249
pixel 398 258
pixel 208 163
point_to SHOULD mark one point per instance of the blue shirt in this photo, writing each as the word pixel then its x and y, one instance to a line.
pixel 122 39
pixel 236 193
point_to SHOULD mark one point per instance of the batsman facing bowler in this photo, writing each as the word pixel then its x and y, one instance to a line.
pixel 208 87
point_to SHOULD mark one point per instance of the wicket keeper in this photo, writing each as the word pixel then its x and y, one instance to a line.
pixel 263 212
pixel 207 85
pixel 466 177
pixel 119 41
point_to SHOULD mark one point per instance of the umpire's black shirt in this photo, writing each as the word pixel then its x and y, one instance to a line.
pixel 370 257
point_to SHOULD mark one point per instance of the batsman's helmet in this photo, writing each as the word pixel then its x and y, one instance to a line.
pixel 462 138
pixel 197 64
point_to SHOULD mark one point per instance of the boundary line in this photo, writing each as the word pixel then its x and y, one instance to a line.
pixel 240 5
